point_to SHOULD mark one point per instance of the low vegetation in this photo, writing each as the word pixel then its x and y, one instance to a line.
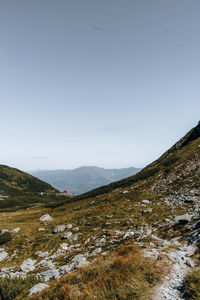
pixel 10 288
pixel 5 237
pixel 125 276
pixel 192 285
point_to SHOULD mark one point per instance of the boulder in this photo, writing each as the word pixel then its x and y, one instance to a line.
pixel 59 228
pixel 183 219
pixel 28 265
pixel 38 288
pixel 46 218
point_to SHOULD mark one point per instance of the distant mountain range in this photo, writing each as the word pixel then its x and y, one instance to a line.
pixel 82 179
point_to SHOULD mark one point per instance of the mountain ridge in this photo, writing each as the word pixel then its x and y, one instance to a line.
pixel 84 178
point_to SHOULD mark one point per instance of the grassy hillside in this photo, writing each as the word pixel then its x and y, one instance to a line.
pixel 18 188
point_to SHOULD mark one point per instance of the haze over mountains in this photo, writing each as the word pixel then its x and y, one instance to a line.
pixel 83 179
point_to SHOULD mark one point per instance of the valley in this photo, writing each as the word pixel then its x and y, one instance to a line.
pixel 136 238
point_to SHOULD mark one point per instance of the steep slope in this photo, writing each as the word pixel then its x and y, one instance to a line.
pixel 19 187
pixel 82 179
pixel 114 242
pixel 180 161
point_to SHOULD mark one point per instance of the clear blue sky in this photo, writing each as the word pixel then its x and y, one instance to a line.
pixel 111 83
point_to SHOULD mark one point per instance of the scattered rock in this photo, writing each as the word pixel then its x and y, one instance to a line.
pixel 38 288
pixel 42 254
pixel 15 230
pixel 183 219
pixel 50 274
pixel 145 201
pixel 3 255
pixel 59 228
pixel 64 246
pixel 41 229
pixel 28 265
pixel 96 251
pixel 69 226
pixel 46 218
pixel 67 235
pixel 47 264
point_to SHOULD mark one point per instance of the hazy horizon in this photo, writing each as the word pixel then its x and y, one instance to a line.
pixel 107 83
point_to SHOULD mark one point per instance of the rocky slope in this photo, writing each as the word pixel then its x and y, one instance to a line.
pixel 82 179
pixel 74 247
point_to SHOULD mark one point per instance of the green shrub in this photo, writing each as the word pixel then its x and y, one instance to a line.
pixel 10 288
pixel 170 160
pixel 5 237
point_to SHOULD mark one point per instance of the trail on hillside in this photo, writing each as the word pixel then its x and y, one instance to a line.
pixel 171 286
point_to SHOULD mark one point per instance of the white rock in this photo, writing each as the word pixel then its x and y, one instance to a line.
pixel 65 269
pixel 3 255
pixel 59 228
pixel 46 218
pixel 38 288
pixel 47 264
pixel 69 226
pixel 64 246
pixel 50 274
pixel 96 251
pixel 28 265
pixel 15 230
pixel 183 218
pixel 41 229
pixel 42 254
pixel 4 230
pixel 76 228
pixel 67 235
pixel 145 201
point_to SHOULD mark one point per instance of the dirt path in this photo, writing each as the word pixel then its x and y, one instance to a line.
pixel 170 288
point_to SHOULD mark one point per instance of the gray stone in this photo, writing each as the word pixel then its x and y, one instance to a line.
pixel 41 229
pixel 183 219
pixel 15 230
pixel 65 269
pixel 42 254
pixel 46 218
pixel 76 228
pixel 145 201
pixel 69 226
pixel 38 288
pixel 59 228
pixel 50 274
pixel 67 235
pixel 96 251
pixel 28 265
pixel 47 264
pixel 64 246
pixel 3 255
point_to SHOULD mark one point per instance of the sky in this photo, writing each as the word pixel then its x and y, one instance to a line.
pixel 111 83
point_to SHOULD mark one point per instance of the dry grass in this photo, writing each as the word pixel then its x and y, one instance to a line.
pixel 125 276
